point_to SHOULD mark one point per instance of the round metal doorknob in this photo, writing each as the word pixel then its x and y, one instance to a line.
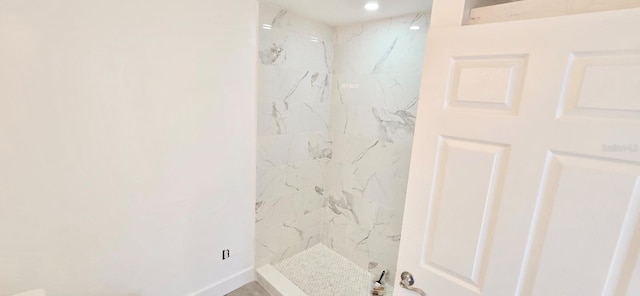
pixel 408 278
pixel 407 281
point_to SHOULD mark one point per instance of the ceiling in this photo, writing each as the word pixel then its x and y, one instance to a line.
pixel 343 12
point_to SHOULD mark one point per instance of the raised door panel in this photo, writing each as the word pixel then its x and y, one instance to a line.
pixel 583 229
pixel 464 209
pixel 603 85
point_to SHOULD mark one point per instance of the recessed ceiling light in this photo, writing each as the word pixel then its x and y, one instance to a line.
pixel 371 6
pixel 414 27
pixel 266 26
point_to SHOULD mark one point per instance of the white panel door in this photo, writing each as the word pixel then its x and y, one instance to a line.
pixel 525 173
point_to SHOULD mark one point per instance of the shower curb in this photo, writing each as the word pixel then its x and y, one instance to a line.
pixel 276 283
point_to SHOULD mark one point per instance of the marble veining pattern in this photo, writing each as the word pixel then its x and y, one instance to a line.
pixel 336 114
pixel 294 148
pixel 273 54
pixel 377 70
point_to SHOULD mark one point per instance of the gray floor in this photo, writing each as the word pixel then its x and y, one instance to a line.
pixel 250 289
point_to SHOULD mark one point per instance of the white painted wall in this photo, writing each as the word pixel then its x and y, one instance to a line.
pixel 127 143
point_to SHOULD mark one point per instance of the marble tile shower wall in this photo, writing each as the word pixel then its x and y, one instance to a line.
pixel 295 58
pixel 376 76
pixel 336 114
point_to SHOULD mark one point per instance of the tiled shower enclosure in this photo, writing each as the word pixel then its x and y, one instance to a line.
pixel 336 113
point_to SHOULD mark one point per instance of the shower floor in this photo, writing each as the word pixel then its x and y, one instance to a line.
pixel 319 271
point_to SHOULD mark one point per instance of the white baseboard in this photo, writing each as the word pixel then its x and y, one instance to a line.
pixel 229 284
